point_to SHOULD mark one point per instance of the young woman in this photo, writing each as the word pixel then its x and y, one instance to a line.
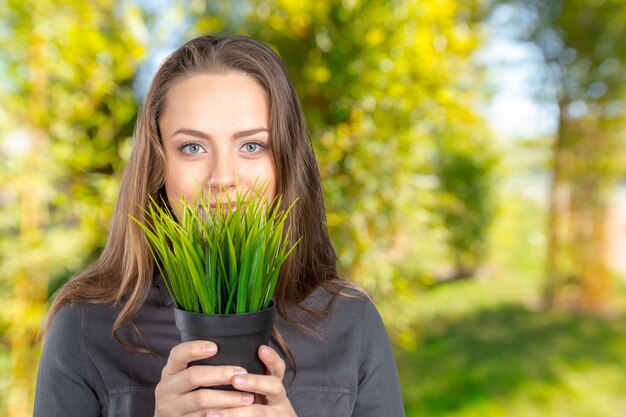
pixel 220 111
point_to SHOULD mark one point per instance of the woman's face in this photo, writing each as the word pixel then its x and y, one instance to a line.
pixel 215 131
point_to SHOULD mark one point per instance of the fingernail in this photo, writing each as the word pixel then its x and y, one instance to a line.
pixel 213 415
pixel 210 347
pixel 247 398
pixel 265 350
pixel 240 379
pixel 240 371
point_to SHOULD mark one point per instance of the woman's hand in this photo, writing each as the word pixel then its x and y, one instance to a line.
pixel 274 401
pixel 176 393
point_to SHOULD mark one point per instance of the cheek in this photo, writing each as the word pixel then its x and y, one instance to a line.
pixel 272 176
pixel 173 193
pixel 171 183
pixel 171 190
pixel 179 181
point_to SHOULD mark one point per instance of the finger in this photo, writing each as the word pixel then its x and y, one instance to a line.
pixel 251 411
pixel 203 413
pixel 269 386
pixel 186 352
pixel 210 399
pixel 273 362
pixel 200 413
pixel 202 376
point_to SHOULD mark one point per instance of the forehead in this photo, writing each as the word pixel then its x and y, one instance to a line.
pixel 216 101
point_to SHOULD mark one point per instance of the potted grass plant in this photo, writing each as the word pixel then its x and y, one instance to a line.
pixel 221 267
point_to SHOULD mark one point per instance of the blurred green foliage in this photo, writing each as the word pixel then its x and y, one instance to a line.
pixel 69 112
pixel 486 348
pixel 513 361
pixel 580 42
pixel 67 116
pixel 466 204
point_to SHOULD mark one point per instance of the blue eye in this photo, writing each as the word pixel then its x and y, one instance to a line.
pixel 253 147
pixel 192 148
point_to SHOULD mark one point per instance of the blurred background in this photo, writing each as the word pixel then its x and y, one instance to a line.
pixel 473 155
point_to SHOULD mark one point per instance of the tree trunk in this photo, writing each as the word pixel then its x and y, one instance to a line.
pixel 577 274
pixel 590 203
pixel 558 213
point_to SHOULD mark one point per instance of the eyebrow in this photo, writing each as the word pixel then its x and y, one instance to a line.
pixel 202 135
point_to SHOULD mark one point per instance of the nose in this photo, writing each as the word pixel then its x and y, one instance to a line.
pixel 222 174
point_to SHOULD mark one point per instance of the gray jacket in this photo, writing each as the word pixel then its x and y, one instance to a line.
pixel 347 369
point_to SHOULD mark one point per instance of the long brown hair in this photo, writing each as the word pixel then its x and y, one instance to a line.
pixel 124 272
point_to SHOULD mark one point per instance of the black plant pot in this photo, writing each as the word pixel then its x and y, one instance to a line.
pixel 238 336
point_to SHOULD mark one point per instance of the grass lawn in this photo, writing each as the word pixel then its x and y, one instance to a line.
pixel 483 351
